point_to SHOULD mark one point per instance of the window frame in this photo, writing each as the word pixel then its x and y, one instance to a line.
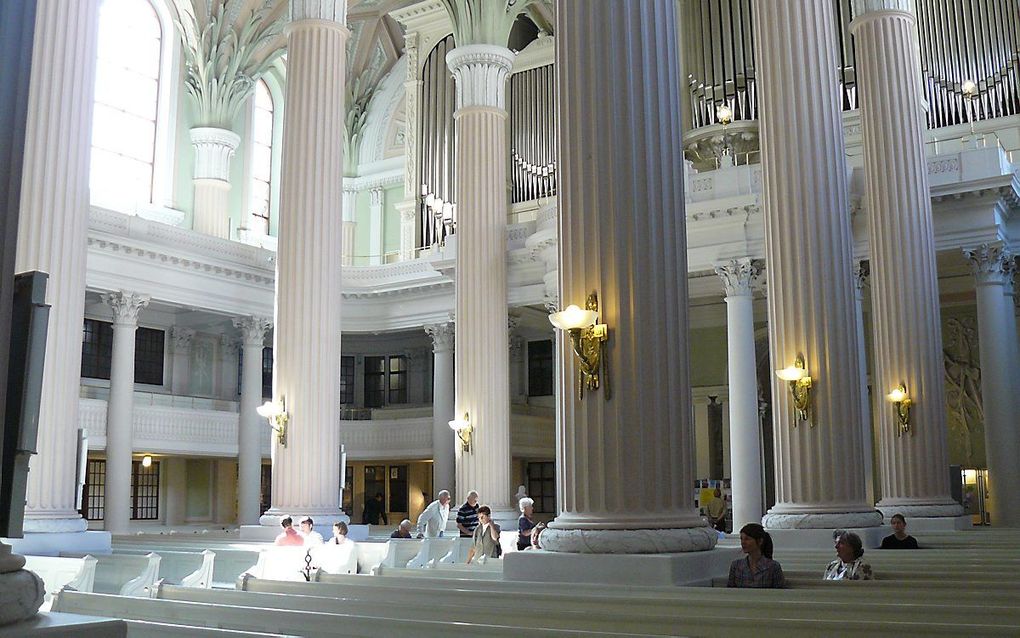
pixel 274 84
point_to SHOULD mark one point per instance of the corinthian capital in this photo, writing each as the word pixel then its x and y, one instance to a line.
pixel 990 264
pixel 739 276
pixel 328 10
pixel 480 72
pixel 125 306
pixel 443 335
pixel 253 329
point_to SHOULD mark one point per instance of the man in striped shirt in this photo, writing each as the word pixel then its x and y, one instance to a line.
pixel 467 515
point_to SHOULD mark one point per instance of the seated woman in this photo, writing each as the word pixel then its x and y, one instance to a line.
pixel 899 539
pixel 849 564
pixel 536 533
pixel 486 537
pixel 757 569
pixel 339 534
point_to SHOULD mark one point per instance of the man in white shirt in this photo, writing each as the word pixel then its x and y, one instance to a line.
pixel 432 521
pixel 311 536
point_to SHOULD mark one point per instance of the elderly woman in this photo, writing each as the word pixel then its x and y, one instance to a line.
pixel 525 523
pixel 849 565
pixel 486 537
pixel 756 569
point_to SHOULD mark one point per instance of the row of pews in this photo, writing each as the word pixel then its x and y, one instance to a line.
pixel 961 585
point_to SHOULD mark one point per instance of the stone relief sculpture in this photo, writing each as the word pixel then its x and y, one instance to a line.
pixel 965 415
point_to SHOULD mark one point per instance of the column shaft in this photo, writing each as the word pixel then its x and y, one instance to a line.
pixel 625 460
pixel 904 289
pixel 745 429
pixel 52 239
pixel 443 401
pixel 808 247
pixel 214 148
pixel 862 271
pixel 306 473
pixel 249 424
pixel 482 361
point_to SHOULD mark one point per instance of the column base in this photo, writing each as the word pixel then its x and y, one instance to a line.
pixel 67 525
pixel 22 594
pixel 794 539
pixel 662 570
pixel 952 509
pixel 52 543
pixel 774 520
pixel 629 541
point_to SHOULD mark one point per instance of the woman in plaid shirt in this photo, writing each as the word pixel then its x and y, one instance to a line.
pixel 757 569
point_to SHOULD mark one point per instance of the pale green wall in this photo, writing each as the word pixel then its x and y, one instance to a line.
pixel 197 505
pixel 391 218
pixel 708 356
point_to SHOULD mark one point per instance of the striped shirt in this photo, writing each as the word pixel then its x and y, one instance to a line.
pixel 767 574
pixel 467 516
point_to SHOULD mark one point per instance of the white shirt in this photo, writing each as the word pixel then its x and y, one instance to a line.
pixel 313 538
pixel 433 520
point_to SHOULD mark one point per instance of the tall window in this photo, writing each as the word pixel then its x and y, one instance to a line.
pixel 262 159
pixel 127 104
pixel 540 368
pixel 385 381
pixel 542 486
pixel 347 380
pixel 97 352
pixel 267 372
pixel 149 352
pixel 144 491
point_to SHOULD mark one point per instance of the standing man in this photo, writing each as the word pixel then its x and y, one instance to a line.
pixel 716 511
pixel 432 521
pixel 308 532
pixel 374 510
pixel 467 515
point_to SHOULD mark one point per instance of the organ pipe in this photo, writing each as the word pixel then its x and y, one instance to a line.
pixel 436 160
pixel 532 134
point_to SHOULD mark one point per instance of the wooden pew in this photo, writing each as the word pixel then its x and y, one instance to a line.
pixel 58 572
pixel 126 575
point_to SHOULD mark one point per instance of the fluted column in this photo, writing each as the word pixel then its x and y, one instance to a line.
pixel 443 400
pixel 180 376
pixel 306 472
pixel 408 211
pixel 904 288
pixel 350 225
pixel 214 148
pixel 1012 337
pixel 377 246
pixel 482 378
pixel 120 409
pixel 739 277
pixel 249 425
pixel 990 265
pixel 808 255
pixel 862 271
pixel 52 239
pixel 625 460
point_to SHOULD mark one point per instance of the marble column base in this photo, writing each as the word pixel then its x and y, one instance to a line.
pixel 629 541
pixel 43 525
pixel 21 595
pixel 52 543
pixel 821 520
pixel 793 539
pixel 655 570
pixel 951 509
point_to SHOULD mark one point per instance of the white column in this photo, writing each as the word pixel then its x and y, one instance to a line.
pixel 1012 335
pixel 306 472
pixel 120 409
pixel 350 225
pixel 990 265
pixel 808 256
pixel 214 147
pixel 443 467
pixel 862 270
pixel 482 378
pixel 52 239
pixel 904 275
pixel 180 375
pixel 408 225
pixel 408 208
pixel 518 389
pixel 229 347
pixel 375 226
pixel 739 276
pixel 249 425
pixel 625 460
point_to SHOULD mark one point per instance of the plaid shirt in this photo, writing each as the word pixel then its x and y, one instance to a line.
pixel 767 574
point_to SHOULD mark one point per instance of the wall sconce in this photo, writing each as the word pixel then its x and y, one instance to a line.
pixel 276 413
pixel 724 114
pixel 969 88
pixel 899 398
pixel 146 461
pixel 588 339
pixel 800 386
pixel 463 429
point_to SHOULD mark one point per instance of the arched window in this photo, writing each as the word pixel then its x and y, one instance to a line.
pixel 124 127
pixel 260 200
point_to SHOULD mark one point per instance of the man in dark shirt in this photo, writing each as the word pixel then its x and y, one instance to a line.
pixel 467 515
pixel 899 538
pixel 374 510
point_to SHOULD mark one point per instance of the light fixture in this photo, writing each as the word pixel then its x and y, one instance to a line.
pixel 146 461
pixel 969 88
pixel 724 114
pixel 276 413
pixel 588 339
pixel 463 429
pixel 899 398
pixel 800 386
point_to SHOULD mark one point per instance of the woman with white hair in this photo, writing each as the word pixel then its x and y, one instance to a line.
pixel 849 563
pixel 524 523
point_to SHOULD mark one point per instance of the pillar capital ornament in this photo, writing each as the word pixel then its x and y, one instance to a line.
pixel 739 276
pixel 863 8
pixel 989 263
pixel 324 10
pixel 442 336
pixel 481 72
pixel 181 338
pixel 214 148
pixel 125 306
pixel 253 329
pixel 375 197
